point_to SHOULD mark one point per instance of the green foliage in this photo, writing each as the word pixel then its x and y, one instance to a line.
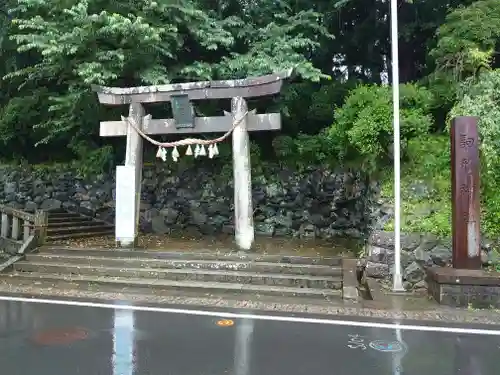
pixel 304 151
pixel 467 40
pixel 276 38
pixel 428 162
pixel 321 112
pixel 72 45
pixel 16 116
pixel 481 98
pixel 466 45
pixel 53 51
pixel 56 49
pixel 363 129
pixel 425 186
pixel 93 161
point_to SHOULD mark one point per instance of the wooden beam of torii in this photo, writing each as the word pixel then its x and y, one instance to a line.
pixel 129 176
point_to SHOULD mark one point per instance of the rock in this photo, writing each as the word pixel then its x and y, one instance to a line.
pixel 144 206
pixel 283 221
pixel 227 229
pixel 273 190
pixel 407 285
pixel 382 239
pixel 199 218
pixel 485 260
pixel 218 221
pixel 87 208
pixel 422 284
pixel 50 204
pixel 441 255
pixel 379 254
pixel 428 242
pixel 376 270
pixel 307 231
pixel 385 240
pixel 264 229
pixel 423 258
pixel 283 232
pixel 410 241
pixel 158 225
pixel 353 233
pixel 60 196
pixel 16 205
pixel 207 229
pixel 170 215
pixel 414 273
pixel 319 221
pixel 10 187
pixel 150 214
pixel 30 206
pixel 106 214
pixel 70 206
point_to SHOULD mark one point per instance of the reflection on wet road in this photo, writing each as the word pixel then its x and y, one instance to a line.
pixel 47 339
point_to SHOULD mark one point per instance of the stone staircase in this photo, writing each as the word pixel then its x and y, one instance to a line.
pixel 64 225
pixel 185 273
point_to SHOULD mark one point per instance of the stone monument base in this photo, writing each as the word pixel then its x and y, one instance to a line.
pixel 463 288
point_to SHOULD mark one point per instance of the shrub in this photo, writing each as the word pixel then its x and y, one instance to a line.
pixel 363 128
pixel 481 98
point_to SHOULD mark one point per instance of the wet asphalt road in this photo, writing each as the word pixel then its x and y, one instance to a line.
pixel 47 339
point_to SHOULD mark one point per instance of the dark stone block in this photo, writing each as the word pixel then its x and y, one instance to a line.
pixel 463 288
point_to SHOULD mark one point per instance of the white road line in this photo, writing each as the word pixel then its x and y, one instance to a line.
pixel 275 318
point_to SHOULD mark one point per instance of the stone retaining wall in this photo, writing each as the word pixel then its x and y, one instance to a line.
pixel 315 203
pixel 418 252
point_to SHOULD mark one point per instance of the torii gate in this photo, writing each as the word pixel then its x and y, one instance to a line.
pixel 138 126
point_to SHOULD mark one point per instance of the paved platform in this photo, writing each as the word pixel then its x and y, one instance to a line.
pixel 45 337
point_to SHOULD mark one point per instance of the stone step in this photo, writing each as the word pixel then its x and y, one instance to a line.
pixel 247 266
pixel 86 234
pixel 24 287
pixel 75 219
pixel 64 219
pixel 79 229
pixel 57 210
pixel 222 255
pixel 62 214
pixel 149 285
pixel 64 225
pixel 77 222
pixel 154 274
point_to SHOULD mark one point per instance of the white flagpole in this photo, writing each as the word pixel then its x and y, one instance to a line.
pixel 397 277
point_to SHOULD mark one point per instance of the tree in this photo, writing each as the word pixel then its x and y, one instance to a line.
pixel 481 98
pixel 74 44
pixel 468 42
pixel 362 130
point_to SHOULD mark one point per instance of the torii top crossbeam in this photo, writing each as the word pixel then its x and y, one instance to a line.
pixel 246 88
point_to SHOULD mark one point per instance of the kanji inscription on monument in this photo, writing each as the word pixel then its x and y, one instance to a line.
pixel 465 193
